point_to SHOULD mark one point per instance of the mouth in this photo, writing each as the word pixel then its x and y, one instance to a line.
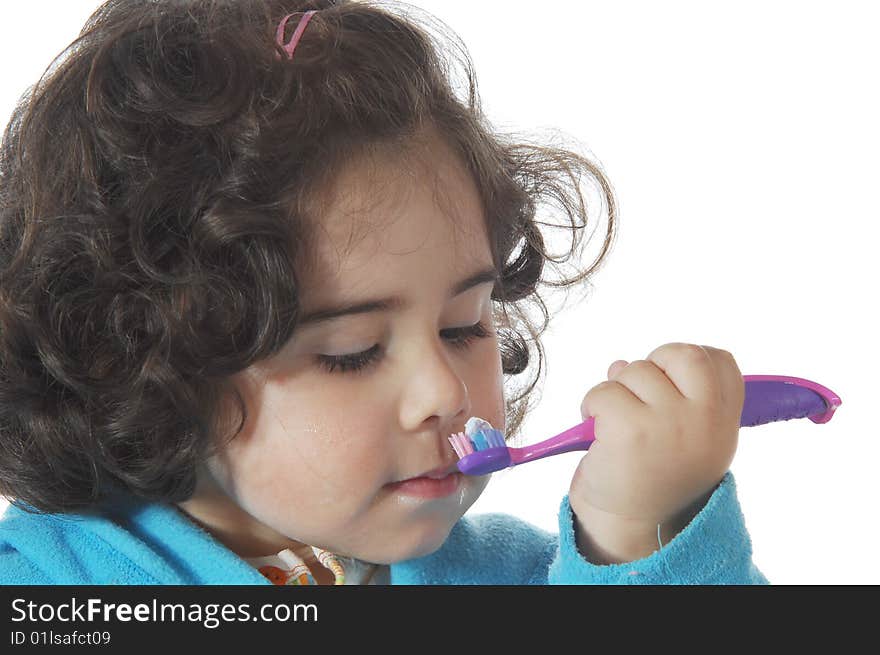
pixel 435 484
pixel 441 471
pixel 434 474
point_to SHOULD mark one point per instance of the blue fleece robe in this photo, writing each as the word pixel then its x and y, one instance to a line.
pixel 135 542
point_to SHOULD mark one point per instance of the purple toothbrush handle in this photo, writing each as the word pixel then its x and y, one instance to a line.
pixel 771 398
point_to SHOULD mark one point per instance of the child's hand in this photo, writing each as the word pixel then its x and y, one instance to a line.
pixel 666 431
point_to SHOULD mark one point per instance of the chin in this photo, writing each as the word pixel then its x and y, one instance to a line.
pixel 421 535
pixel 422 548
pixel 418 539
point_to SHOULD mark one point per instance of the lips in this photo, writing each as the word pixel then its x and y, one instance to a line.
pixel 440 472
pixel 434 474
pixel 427 488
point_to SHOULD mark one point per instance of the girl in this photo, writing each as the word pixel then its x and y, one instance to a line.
pixel 259 260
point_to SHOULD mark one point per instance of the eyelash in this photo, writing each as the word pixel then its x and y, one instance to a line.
pixel 359 362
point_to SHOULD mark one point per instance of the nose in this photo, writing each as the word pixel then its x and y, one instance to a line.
pixel 435 390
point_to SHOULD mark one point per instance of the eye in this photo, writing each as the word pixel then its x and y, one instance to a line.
pixel 464 337
pixel 459 338
pixel 349 363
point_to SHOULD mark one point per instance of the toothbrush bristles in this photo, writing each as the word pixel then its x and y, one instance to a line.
pixel 495 439
pixel 455 447
pixel 461 444
pixel 482 440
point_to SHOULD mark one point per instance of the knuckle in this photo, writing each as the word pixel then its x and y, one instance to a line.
pixel 691 351
pixel 662 350
pixel 640 365
pixel 730 359
pixel 726 358
pixel 678 350
pixel 600 389
pixel 594 396
pixel 720 353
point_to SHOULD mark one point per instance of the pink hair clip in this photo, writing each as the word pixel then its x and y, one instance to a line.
pixel 297 34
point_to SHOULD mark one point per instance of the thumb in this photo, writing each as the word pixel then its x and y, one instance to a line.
pixel 616 367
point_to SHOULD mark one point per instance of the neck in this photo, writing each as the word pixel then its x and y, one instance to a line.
pixel 215 513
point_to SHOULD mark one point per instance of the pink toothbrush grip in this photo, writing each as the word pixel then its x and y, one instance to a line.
pixel 578 437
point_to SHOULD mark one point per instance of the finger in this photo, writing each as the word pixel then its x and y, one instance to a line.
pixel 648 383
pixel 616 366
pixel 609 399
pixel 690 369
pixel 729 376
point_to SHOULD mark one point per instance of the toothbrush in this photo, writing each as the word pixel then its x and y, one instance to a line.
pixel 768 398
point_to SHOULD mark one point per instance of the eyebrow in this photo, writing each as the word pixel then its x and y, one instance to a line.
pixel 394 303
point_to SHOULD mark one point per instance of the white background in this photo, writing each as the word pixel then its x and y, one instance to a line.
pixel 742 141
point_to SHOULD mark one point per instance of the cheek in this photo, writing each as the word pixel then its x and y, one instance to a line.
pixel 346 447
pixel 296 446
pixel 303 477
pixel 486 384
pixel 321 424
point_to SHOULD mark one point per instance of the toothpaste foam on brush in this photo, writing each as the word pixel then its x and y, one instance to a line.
pixel 478 435
pixel 475 424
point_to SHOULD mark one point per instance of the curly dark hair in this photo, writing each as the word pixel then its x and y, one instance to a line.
pixel 153 202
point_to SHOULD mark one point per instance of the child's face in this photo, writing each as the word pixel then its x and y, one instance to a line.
pixel 320 450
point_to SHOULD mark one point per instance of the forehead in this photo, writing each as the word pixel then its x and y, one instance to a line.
pixel 393 207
